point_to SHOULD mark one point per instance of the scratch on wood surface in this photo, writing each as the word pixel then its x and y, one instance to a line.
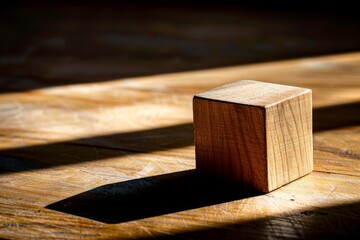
pixel 342 152
pixel 146 170
pixel 145 229
pixel 10 112
pixel 331 192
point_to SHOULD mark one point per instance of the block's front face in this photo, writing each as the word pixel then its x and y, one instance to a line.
pixel 289 140
pixel 230 141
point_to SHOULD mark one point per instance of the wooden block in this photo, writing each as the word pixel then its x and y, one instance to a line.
pixel 255 133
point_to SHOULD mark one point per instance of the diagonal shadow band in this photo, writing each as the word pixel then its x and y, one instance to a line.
pixel 107 146
pixel 156 139
pixel 331 222
pixel 151 196
pixel 337 116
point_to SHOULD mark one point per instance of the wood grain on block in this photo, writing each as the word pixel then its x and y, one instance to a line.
pixel 255 133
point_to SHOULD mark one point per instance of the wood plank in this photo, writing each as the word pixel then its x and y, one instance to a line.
pixel 71 123
pixel 335 151
pixel 62 143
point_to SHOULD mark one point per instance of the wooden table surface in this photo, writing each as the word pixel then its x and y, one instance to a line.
pixel 96 124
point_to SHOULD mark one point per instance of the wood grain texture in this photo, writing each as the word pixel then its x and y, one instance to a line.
pixel 56 157
pixel 289 140
pixel 255 133
pixel 230 142
pixel 253 93
pixel 59 143
pixel 88 120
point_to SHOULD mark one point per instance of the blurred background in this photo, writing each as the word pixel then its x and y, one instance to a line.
pixel 52 43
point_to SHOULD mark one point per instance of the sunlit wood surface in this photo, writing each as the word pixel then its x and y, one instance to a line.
pixel 99 149
pixel 115 158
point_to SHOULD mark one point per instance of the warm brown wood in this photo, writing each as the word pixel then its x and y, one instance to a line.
pixel 60 142
pixel 95 143
pixel 254 133
pixel 230 142
pixel 289 139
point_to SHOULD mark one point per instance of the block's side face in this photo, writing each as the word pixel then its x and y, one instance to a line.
pixel 230 141
pixel 289 140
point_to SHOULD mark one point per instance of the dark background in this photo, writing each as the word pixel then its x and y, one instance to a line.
pixel 57 43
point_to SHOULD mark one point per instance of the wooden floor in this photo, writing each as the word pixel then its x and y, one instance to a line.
pixel 96 123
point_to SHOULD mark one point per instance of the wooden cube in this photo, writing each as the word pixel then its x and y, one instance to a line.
pixel 254 133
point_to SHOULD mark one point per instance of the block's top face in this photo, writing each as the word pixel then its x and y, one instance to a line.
pixel 253 93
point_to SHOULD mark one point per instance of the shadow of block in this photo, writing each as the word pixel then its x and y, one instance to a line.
pixel 150 196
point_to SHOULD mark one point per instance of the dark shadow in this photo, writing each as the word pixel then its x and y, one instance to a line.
pixel 46 44
pixel 343 115
pixel 335 222
pixel 96 148
pixel 151 196
pixel 157 139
